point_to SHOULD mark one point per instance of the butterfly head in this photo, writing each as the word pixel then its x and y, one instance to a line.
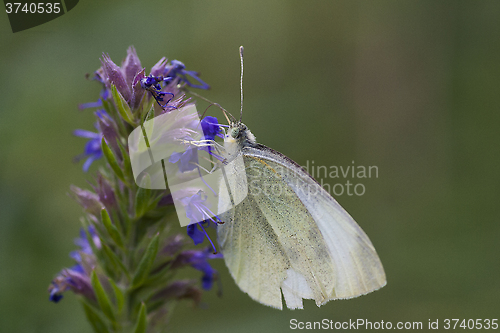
pixel 239 135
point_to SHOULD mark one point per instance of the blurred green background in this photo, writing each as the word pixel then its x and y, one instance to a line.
pixel 409 86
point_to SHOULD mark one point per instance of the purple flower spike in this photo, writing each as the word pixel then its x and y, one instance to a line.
pixel 114 75
pixel 131 65
pixel 126 242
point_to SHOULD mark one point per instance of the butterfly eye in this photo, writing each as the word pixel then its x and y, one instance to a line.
pixel 235 132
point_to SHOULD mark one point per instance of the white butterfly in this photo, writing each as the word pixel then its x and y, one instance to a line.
pixel 288 235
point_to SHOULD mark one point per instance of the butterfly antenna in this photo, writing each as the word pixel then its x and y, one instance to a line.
pixel 216 104
pixel 241 83
pixel 222 109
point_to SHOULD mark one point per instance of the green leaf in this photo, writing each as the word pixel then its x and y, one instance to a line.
pixel 142 197
pixel 127 166
pixel 111 228
pixel 120 298
pixel 142 321
pixel 146 262
pixel 111 110
pixel 114 260
pixel 113 163
pixel 108 107
pixel 122 106
pixel 102 297
pixel 150 114
pixel 95 319
pixel 109 265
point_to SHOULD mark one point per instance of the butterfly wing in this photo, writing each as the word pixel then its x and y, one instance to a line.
pixel 253 253
pixel 289 235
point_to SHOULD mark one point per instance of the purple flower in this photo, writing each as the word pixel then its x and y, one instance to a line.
pixel 196 234
pixel 127 78
pixel 159 68
pixel 131 65
pixel 84 245
pixel 88 200
pixel 196 207
pixel 114 75
pixel 177 69
pixel 76 278
pixel 108 128
pixel 211 128
pixel 104 191
pixel 61 283
pixel 137 90
pixel 92 148
pixel 186 161
pixel 200 216
pixel 55 291
pixel 199 260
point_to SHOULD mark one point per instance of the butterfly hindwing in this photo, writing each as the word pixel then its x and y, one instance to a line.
pixel 252 251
